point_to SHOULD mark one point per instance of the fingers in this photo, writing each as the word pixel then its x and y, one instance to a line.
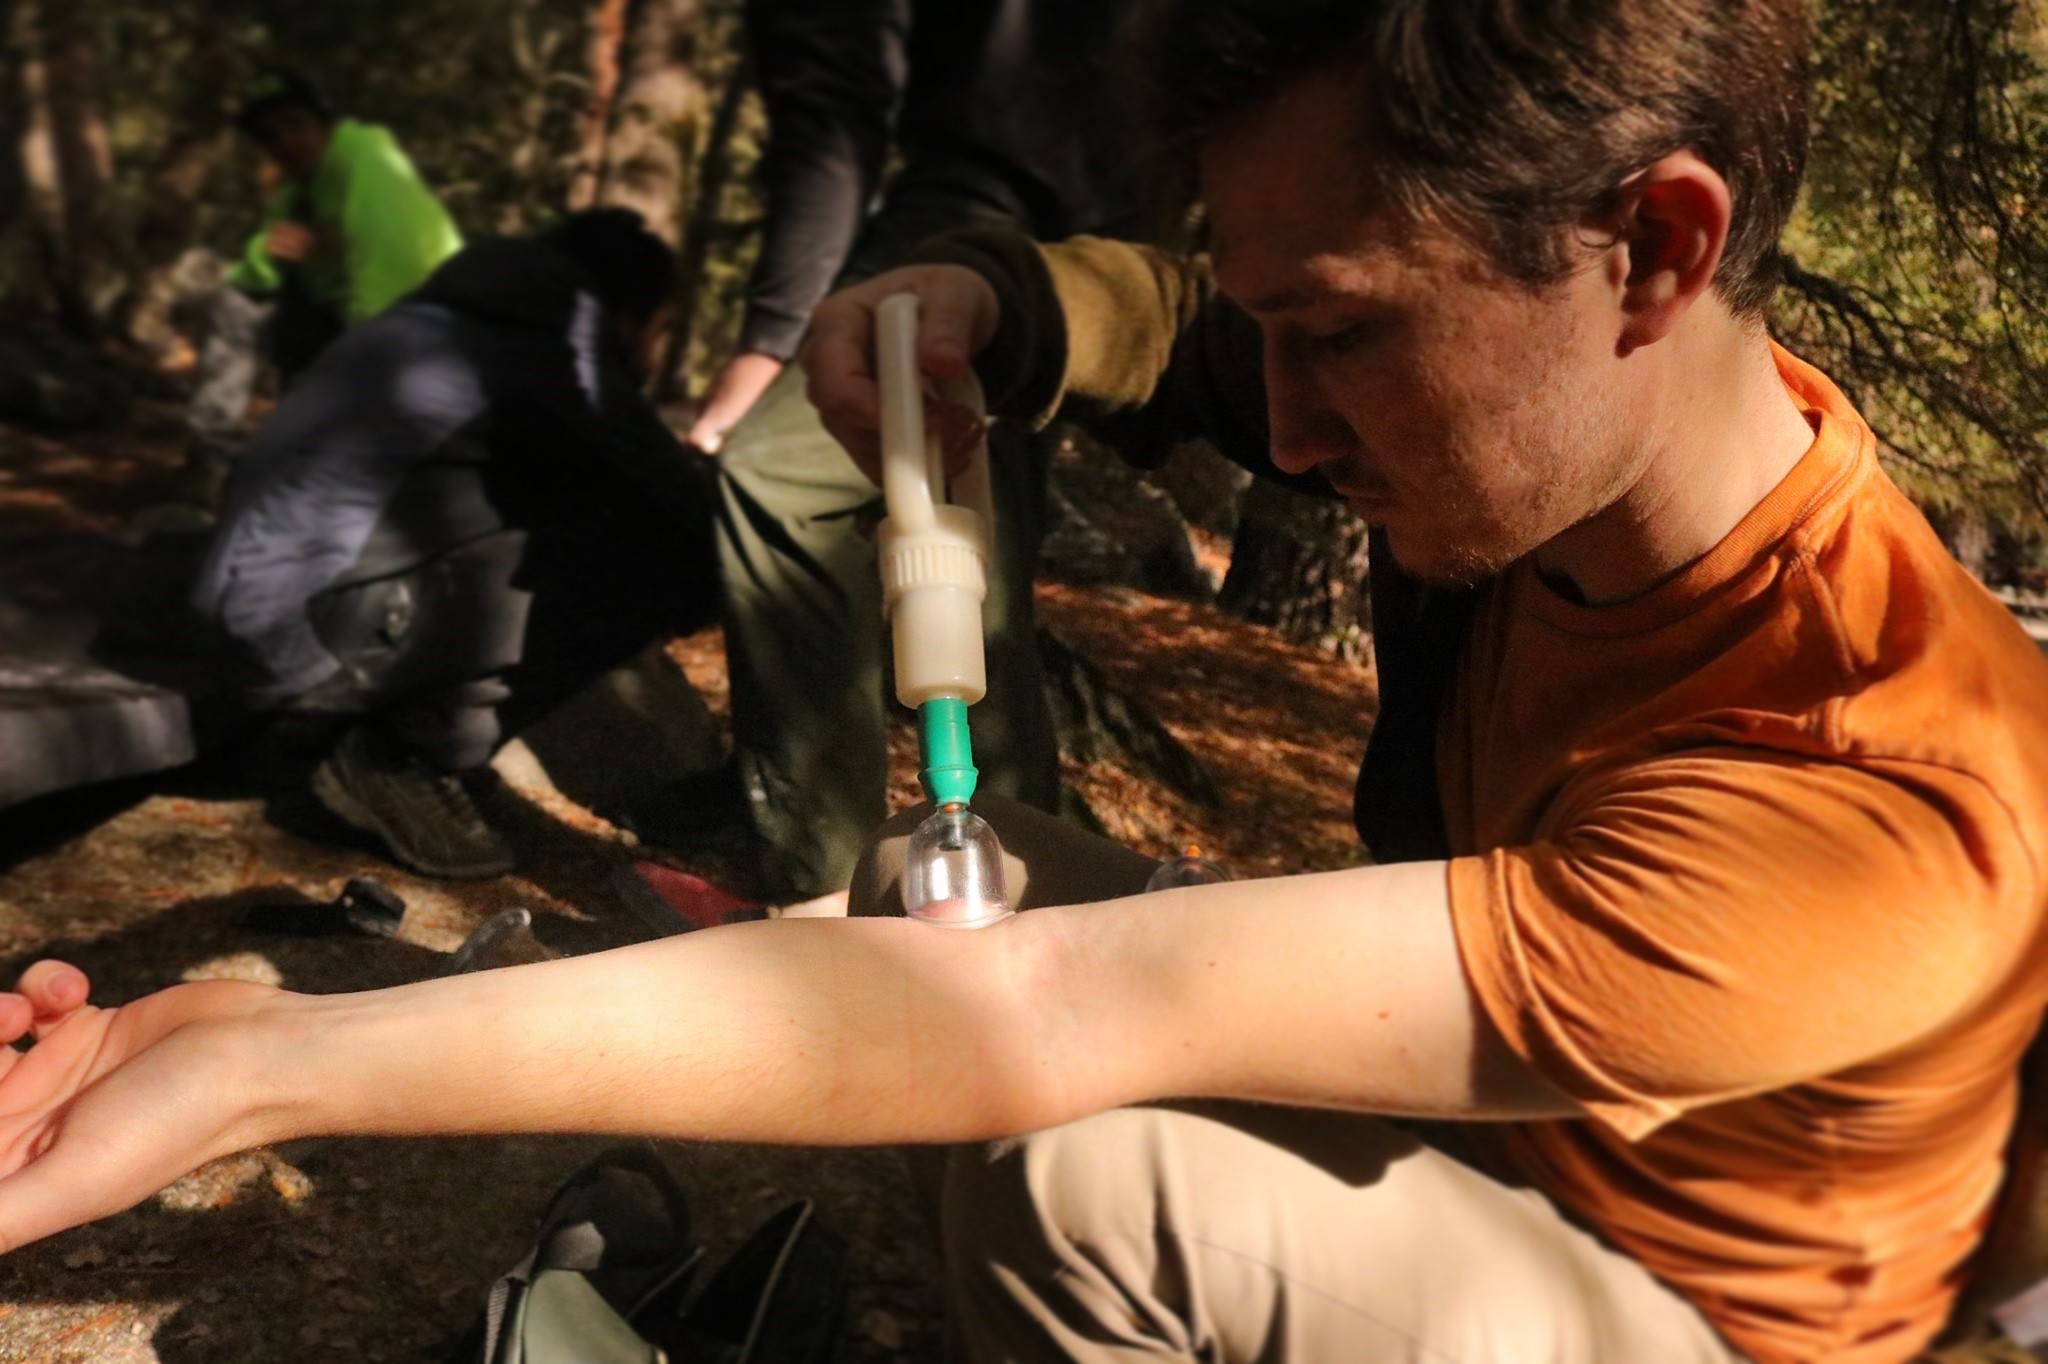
pixel 47 995
pixel 17 1016
pixel 839 371
pixel 705 437
pixel 957 317
pixel 291 241
pixel 41 1199
pixel 82 1167
pixel 54 988
pixel 960 434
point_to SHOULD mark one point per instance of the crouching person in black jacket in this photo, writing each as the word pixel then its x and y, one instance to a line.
pixel 465 510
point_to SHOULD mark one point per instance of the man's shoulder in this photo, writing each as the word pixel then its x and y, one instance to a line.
pixel 360 150
pixel 1902 606
pixel 1935 669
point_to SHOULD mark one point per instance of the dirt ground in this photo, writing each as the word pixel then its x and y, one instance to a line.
pixel 381 1250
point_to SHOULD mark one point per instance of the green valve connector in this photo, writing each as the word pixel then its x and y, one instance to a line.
pixel 949 774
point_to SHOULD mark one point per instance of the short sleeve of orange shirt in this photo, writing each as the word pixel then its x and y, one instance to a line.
pixel 1747 867
pixel 1706 927
pixel 1772 820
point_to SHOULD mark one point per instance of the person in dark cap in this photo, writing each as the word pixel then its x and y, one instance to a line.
pixel 350 229
pixel 464 510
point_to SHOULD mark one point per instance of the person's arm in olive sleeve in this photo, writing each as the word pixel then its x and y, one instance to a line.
pixel 1134 343
pixel 831 75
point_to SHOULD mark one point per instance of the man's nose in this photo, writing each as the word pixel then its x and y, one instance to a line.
pixel 1304 429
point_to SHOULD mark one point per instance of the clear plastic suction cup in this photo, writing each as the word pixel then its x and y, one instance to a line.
pixel 953 873
pixel 1189 869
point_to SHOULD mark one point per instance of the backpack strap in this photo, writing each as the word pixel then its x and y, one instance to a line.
pixel 778 1300
pixel 603 1249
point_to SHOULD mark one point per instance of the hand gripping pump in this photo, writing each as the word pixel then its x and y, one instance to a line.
pixel 934 562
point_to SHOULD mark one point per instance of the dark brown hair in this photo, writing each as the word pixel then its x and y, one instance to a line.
pixel 1510 119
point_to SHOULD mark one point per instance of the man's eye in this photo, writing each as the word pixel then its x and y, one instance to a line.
pixel 1344 340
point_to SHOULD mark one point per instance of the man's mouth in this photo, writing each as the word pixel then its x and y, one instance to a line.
pixel 1371 500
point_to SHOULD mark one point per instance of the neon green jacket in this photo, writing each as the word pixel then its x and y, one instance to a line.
pixel 381 229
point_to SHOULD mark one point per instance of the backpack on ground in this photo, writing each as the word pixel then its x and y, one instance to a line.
pixel 608 1281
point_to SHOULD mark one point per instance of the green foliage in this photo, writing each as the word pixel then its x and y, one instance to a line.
pixel 1918 265
pixel 485 95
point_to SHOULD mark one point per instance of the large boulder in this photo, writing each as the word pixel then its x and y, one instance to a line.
pixel 67 717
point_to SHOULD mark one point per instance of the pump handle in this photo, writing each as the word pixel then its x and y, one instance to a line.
pixel 913 479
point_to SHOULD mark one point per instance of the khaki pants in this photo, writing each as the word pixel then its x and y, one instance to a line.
pixel 1239 1232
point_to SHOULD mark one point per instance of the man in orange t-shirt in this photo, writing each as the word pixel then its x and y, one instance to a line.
pixel 1705 788
pixel 1726 777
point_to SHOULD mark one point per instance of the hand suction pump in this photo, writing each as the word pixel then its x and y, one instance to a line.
pixel 934 562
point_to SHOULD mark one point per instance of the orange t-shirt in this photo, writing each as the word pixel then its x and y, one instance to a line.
pixel 1747 867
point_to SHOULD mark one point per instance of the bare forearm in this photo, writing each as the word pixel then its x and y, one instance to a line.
pixel 821 1032
pixel 1340 990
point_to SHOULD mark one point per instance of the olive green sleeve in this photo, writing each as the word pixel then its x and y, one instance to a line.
pixel 1132 342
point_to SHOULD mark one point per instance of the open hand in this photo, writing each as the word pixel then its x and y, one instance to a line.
pixel 958 316
pixel 111 1105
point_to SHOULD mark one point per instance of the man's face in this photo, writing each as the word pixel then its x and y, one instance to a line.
pixel 1472 416
pixel 295 138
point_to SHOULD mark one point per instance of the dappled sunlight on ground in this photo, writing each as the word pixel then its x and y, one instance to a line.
pixel 88 482
pixel 1279 728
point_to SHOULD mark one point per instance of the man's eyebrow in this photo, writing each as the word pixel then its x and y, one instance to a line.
pixel 1281 301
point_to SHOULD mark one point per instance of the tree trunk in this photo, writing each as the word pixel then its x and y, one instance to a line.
pixel 38 146
pixel 1298 565
pixel 1208 489
pixel 601 47
pixel 651 129
pixel 13 118
pixel 85 156
pixel 197 140
pixel 1100 720
pixel 533 61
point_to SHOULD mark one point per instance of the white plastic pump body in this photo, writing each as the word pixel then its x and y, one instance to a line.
pixel 933 551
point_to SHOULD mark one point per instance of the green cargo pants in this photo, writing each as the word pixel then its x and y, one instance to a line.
pixel 807 646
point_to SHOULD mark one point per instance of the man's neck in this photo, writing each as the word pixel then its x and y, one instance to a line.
pixel 1721 431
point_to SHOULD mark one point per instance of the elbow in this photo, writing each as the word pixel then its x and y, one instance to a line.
pixel 1040 1071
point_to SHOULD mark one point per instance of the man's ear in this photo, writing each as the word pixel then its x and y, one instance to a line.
pixel 1669 226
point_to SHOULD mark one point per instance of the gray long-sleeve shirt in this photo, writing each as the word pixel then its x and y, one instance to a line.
pixel 1009 101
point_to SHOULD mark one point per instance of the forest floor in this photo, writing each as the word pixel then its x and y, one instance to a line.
pixel 381 1250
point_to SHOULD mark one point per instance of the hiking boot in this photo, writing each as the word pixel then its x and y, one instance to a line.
pixel 424 817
